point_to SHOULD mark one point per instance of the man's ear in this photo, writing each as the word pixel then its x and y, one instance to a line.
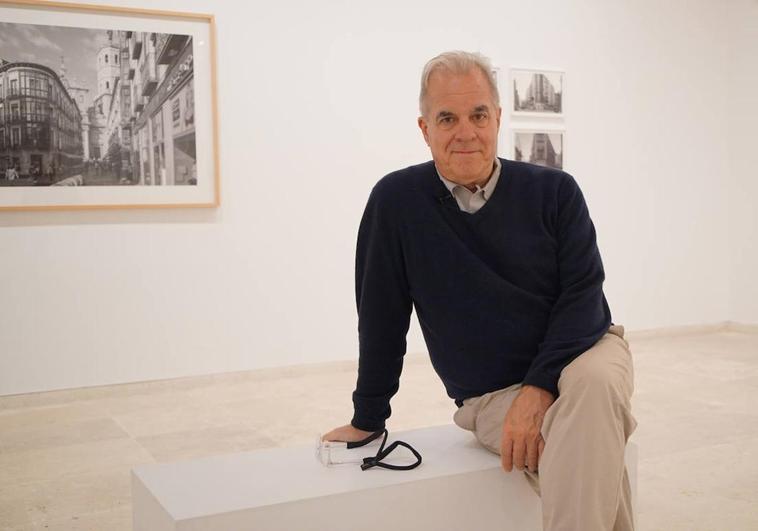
pixel 424 129
pixel 499 112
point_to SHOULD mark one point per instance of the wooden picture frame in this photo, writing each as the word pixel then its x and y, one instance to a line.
pixel 106 107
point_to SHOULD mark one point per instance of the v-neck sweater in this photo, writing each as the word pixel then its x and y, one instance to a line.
pixel 467 200
pixel 511 293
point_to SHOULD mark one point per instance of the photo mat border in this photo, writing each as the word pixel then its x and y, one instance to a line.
pixel 212 196
pixel 534 129
pixel 535 114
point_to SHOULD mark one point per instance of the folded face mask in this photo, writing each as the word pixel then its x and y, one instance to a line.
pixel 339 453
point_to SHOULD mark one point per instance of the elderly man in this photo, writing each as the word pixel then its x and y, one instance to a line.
pixel 500 260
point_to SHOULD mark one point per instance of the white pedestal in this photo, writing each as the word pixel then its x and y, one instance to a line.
pixel 460 485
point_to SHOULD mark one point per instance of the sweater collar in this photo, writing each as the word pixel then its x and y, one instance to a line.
pixel 487 189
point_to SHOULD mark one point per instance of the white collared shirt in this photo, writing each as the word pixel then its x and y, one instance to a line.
pixel 467 200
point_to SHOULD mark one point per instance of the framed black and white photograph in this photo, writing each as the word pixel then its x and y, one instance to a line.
pixel 105 107
pixel 543 147
pixel 537 92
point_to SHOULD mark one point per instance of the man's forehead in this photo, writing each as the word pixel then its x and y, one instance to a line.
pixel 457 82
pixel 451 111
pixel 450 89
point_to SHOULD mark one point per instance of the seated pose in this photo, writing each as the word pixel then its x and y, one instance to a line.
pixel 500 260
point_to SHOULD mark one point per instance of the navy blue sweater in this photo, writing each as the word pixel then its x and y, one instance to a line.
pixel 511 293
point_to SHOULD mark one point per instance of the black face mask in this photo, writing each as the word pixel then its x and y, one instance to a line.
pixel 370 462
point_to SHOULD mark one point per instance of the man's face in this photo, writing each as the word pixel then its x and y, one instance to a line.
pixel 460 125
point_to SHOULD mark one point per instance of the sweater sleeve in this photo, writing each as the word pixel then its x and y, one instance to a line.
pixel 384 310
pixel 580 315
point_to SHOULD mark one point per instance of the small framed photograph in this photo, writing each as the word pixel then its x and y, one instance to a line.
pixel 537 93
pixel 542 147
pixel 106 107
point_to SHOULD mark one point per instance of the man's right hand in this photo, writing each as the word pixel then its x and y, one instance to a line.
pixel 346 433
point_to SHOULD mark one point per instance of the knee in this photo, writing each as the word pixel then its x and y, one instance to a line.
pixel 598 377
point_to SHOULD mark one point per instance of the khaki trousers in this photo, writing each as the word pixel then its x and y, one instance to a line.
pixel 582 479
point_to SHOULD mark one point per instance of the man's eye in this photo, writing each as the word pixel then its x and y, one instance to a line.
pixel 480 117
pixel 446 120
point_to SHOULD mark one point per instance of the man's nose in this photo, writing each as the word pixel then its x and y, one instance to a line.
pixel 465 131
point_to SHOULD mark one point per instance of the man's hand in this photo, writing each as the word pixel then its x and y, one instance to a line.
pixel 346 433
pixel 522 442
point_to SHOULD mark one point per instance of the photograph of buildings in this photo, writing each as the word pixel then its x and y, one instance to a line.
pixel 543 148
pixel 95 107
pixel 537 92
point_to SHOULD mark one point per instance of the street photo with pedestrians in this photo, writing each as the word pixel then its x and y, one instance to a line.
pixel 96 107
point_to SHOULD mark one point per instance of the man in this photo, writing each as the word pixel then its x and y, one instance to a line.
pixel 500 260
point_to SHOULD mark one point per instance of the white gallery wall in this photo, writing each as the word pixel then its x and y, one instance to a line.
pixel 742 95
pixel 317 101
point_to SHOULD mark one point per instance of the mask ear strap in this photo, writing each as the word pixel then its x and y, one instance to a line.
pixel 370 438
pixel 370 462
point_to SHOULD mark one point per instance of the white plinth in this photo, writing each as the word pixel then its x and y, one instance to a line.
pixel 460 485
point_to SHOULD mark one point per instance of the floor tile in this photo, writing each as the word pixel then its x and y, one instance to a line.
pixel 709 488
pixel 27 466
pixel 204 443
pixel 59 433
pixel 63 499
pixel 113 520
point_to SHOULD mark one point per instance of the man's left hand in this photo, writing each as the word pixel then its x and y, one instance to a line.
pixel 522 443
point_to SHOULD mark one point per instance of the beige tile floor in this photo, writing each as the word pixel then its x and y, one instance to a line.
pixel 65 456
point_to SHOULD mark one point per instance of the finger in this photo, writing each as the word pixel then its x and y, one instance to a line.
pixel 506 454
pixel 532 455
pixel 519 454
pixel 336 435
pixel 541 448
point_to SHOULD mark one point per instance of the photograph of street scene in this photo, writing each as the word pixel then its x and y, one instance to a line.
pixel 537 92
pixel 543 148
pixel 95 107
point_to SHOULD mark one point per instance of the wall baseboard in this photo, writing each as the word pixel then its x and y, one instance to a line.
pixel 690 330
pixel 747 328
pixel 676 331
pixel 60 396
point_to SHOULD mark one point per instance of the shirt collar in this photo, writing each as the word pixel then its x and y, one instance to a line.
pixel 488 187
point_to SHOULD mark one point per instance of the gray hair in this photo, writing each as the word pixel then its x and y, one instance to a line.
pixel 457 62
